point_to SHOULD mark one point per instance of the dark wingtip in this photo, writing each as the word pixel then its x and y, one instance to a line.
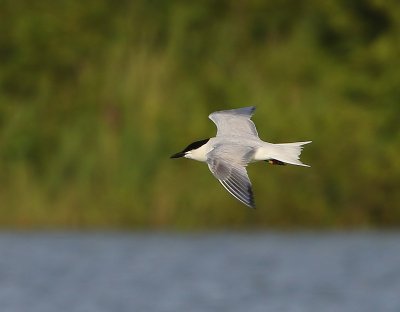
pixel 252 206
pixel 251 203
pixel 251 109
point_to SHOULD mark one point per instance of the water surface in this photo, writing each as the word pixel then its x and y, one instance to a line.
pixel 95 272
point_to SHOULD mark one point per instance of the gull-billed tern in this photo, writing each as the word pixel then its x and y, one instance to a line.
pixel 235 145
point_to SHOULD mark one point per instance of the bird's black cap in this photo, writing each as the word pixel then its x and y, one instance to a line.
pixel 190 147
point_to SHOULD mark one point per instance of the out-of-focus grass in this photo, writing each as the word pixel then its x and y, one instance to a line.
pixel 95 96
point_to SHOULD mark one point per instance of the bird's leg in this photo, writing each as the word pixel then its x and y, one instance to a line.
pixel 275 162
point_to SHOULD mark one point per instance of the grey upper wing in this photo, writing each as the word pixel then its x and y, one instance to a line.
pixel 235 122
pixel 231 172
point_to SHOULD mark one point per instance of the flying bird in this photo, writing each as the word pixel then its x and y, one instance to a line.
pixel 235 146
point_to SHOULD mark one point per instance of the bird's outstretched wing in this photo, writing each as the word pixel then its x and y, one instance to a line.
pixel 235 122
pixel 228 165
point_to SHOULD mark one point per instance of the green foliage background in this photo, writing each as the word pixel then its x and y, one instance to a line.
pixel 96 95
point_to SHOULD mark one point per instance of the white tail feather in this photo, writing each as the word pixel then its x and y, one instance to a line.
pixel 287 152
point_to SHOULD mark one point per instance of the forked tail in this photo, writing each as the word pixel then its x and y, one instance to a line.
pixel 288 153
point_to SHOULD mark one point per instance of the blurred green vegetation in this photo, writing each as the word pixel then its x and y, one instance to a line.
pixel 96 95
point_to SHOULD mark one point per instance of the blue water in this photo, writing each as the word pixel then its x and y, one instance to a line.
pixel 56 272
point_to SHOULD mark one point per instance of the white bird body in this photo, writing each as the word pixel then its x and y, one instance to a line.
pixel 235 145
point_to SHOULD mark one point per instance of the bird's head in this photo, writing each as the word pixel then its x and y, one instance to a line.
pixel 190 150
